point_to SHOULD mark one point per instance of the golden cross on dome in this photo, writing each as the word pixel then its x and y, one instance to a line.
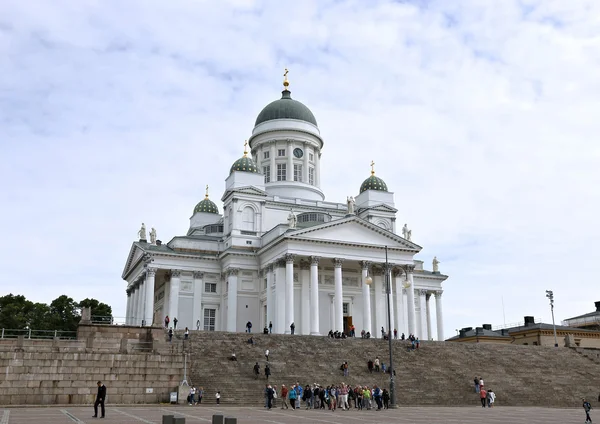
pixel 206 195
pixel 286 83
pixel 245 148
pixel 372 168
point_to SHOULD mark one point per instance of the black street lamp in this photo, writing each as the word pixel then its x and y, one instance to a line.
pixel 389 316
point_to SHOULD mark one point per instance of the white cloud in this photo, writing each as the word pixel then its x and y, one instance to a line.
pixel 481 117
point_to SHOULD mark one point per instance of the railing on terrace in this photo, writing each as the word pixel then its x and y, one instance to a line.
pixel 578 322
pixel 28 333
pixel 513 324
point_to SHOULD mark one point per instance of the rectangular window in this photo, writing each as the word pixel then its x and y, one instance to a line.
pixel 267 172
pixel 281 171
pixel 311 176
pixel 311 157
pixel 298 173
pixel 210 287
pixel 281 152
pixel 266 155
pixel 345 308
pixel 210 317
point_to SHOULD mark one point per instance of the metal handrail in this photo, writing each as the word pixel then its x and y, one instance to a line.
pixel 29 333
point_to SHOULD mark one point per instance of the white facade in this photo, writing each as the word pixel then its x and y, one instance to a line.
pixel 251 263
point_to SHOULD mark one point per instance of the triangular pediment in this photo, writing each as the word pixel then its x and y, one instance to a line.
pixel 354 231
pixel 244 190
pixel 135 254
pixel 380 208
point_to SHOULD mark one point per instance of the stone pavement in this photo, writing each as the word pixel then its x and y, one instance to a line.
pixel 253 415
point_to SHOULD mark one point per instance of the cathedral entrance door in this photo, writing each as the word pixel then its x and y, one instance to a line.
pixel 347 324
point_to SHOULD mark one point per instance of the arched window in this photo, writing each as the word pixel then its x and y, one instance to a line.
pixel 248 219
pixel 383 224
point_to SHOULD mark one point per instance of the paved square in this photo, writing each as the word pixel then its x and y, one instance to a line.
pixel 253 415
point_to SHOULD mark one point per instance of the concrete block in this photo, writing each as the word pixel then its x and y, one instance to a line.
pixel 179 420
pixel 217 419
pixel 83 391
pixel 230 420
pixel 167 419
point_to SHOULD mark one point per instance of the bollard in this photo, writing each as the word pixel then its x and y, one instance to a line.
pixel 217 419
pixel 167 419
pixel 230 420
pixel 179 420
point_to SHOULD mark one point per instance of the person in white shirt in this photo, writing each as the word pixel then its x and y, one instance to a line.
pixel 267 354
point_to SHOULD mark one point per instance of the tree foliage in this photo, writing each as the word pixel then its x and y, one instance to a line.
pixel 63 313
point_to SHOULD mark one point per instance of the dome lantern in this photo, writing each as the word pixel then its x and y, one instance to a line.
pixel 373 182
pixel 206 205
pixel 245 163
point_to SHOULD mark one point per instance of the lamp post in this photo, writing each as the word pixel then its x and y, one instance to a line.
pixel 550 295
pixel 389 316
pixel 369 281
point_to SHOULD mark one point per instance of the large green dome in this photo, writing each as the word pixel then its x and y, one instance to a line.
pixel 286 108
pixel 373 183
pixel 244 164
pixel 206 206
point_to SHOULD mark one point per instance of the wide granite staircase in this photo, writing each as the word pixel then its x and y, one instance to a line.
pixel 438 373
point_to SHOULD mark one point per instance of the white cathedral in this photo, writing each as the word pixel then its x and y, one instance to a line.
pixel 279 253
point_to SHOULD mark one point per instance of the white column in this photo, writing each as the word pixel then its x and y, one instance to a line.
pixel 149 312
pixel 388 276
pixel 289 292
pixel 167 299
pixel 305 298
pixel 232 291
pixel 410 302
pixel 314 296
pixel 128 309
pixel 379 308
pixel 273 165
pixel 332 312
pixel 339 310
pixel 134 297
pixel 422 315
pixel 270 305
pixel 290 163
pixel 404 304
pixel 141 303
pixel 305 164
pixel 317 168
pixel 428 315
pixel 174 295
pixel 366 293
pixel 198 290
pixel 279 324
pixel 439 316
pixel 399 303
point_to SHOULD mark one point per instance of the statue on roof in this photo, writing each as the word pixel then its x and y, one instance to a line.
pixel 435 264
pixel 292 220
pixel 142 232
pixel 153 236
pixel 406 233
pixel 351 204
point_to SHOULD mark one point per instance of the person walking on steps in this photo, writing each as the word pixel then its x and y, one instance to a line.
pixel 270 327
pixel 587 407
pixel 100 398
pixel 267 371
pixel 267 354
pixel 174 323
pixel 483 397
pixel 256 370
pixel 292 327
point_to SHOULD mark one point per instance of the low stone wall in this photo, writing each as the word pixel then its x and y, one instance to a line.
pixel 135 364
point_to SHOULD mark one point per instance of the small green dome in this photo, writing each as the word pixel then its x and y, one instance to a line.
pixel 373 183
pixel 206 206
pixel 286 108
pixel 244 164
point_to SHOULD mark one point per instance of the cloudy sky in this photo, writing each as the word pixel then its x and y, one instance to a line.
pixel 481 116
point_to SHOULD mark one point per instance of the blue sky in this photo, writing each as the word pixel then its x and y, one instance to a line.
pixel 480 116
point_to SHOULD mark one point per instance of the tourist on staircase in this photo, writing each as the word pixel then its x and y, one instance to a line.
pixel 377 364
pixel 269 392
pixel 476 381
pixel 284 396
pixel 267 371
pixel 482 396
pixel 292 397
pixel 256 370
pixel 249 327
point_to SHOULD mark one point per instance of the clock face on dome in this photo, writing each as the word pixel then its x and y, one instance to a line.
pixel 298 152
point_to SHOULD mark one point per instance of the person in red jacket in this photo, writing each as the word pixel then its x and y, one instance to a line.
pixel 483 396
pixel 284 395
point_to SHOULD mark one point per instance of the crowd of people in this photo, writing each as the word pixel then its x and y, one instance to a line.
pixel 487 397
pixel 332 397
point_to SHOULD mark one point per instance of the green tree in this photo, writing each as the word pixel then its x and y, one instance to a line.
pixel 15 311
pixel 101 312
pixel 64 314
